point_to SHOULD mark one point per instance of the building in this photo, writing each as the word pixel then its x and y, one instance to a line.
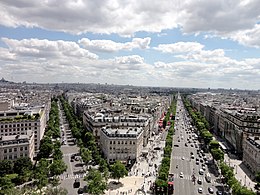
pixel 94 121
pixel 251 155
pixel 18 122
pixel 121 144
pixel 16 146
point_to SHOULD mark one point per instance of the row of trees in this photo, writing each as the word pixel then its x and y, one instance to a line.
pixel 49 158
pixel 202 126
pixel 230 179
pixel 162 180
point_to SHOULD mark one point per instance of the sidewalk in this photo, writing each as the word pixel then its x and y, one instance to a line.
pixel 144 171
pixel 241 172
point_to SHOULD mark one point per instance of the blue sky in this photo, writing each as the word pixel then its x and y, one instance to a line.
pixel 166 43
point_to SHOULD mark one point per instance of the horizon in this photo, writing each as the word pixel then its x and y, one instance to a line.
pixel 183 44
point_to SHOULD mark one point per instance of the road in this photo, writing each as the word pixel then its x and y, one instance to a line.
pixel 185 142
pixel 75 169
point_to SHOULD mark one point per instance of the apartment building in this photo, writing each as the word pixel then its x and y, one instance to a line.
pixel 251 154
pixel 19 122
pixel 234 117
pixel 121 144
pixel 94 121
pixel 16 146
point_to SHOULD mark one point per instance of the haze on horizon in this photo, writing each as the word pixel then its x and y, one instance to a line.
pixel 167 43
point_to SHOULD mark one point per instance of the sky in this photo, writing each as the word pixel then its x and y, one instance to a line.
pixel 168 43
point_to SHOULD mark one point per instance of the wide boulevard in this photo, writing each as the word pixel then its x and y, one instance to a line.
pixel 188 158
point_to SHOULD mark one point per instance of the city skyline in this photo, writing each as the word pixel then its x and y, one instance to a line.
pixel 182 44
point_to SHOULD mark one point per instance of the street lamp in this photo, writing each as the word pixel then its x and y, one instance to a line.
pixel 245 181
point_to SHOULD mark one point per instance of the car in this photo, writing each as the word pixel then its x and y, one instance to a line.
pixel 201 160
pixel 192 156
pixel 186 144
pixel 157 148
pixel 201 171
pixel 182 158
pixel 191 145
pixel 210 190
pixel 197 162
pixel 179 140
pixel 76 183
pixel 204 167
pixel 181 174
pixel 219 192
pixel 176 145
pixel 199 181
pixel 200 190
pixel 191 153
pixel 80 191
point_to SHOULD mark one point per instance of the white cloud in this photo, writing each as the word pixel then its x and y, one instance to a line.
pixel 45 48
pixel 111 46
pixel 180 47
pixel 233 19
pixel 249 37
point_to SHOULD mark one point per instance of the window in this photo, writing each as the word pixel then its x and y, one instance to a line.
pixel 5 157
pixel 10 157
pixel 15 149
pixel 10 150
pixel 25 148
pixel 21 149
pixel 5 150
pixel 110 142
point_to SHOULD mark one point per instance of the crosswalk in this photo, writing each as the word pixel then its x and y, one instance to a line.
pixel 188 177
pixel 72 176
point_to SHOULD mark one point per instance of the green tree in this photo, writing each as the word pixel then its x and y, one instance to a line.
pixel 57 167
pixel 6 184
pixel 96 183
pixel 217 154
pixel 118 170
pixel 6 167
pixel 41 174
pixel 46 148
pixel 86 155
pixel 22 164
pixel 213 144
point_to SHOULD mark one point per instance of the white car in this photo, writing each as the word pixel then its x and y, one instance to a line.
pixel 181 174
pixel 201 171
pixel 183 158
pixel 200 190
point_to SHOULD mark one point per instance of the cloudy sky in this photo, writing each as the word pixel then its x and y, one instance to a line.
pixel 171 43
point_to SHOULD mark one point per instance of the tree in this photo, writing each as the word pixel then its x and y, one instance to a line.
pixel 96 183
pixel 22 164
pixel 213 144
pixel 57 167
pixel 207 136
pixel 6 184
pixel 217 154
pixel 46 148
pixel 57 154
pixel 41 173
pixel 85 155
pixel 118 170
pixel 6 167
pixel 23 167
